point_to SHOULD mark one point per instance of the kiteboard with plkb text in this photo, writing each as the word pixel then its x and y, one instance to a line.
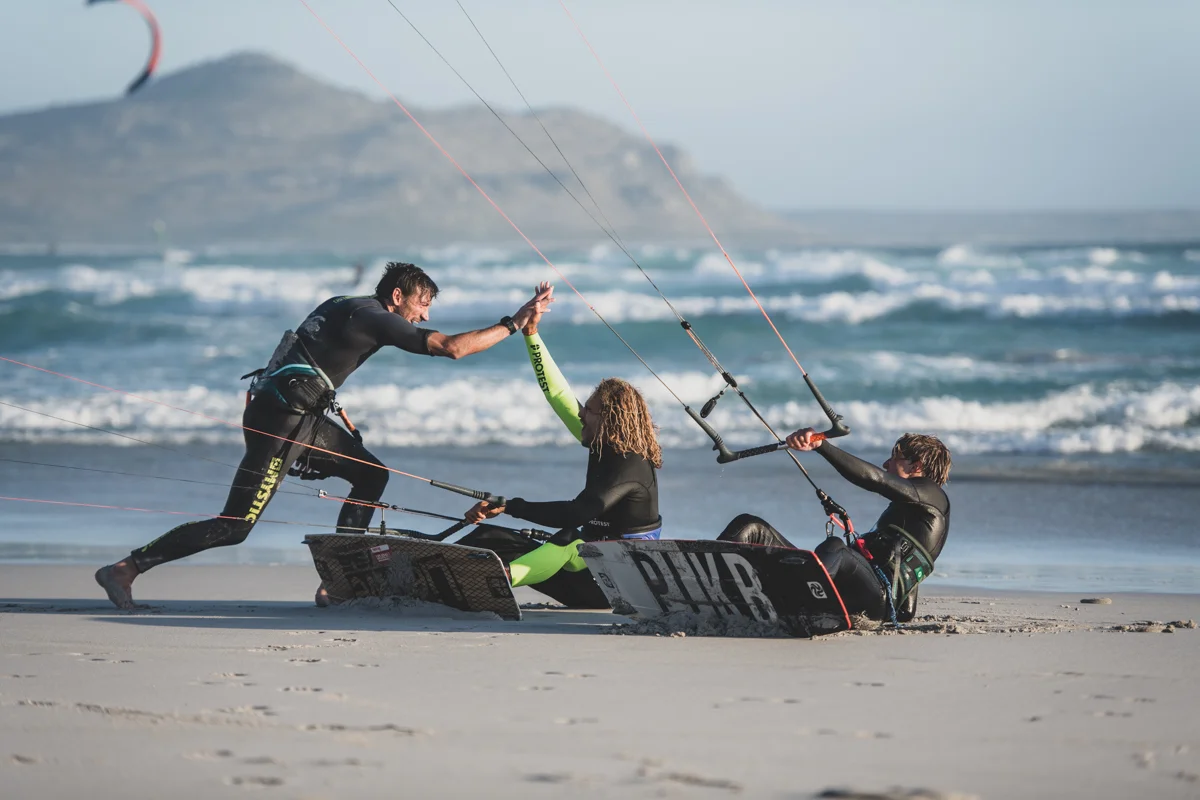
pixel 362 565
pixel 645 579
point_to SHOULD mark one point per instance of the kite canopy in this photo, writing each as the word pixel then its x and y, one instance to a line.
pixel 155 40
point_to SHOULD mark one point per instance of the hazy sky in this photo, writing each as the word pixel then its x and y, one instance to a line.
pixel 961 104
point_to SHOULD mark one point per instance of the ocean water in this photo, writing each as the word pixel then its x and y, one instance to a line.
pixel 1061 378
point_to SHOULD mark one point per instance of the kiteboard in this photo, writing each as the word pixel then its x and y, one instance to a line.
pixel 361 565
pixel 646 579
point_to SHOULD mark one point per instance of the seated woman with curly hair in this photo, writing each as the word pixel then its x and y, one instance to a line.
pixel 619 498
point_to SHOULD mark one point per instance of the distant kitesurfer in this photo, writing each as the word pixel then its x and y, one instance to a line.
pixel 289 400
pixel 619 499
pixel 907 537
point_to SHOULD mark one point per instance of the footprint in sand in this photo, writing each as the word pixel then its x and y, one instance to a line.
pixel 570 674
pixel 305 660
pixel 279 648
pixel 226 679
pixel 301 689
pixel 730 701
pixel 651 771
pixel 853 734
pixel 364 666
pixel 549 777
pixel 209 755
pixel 224 683
pixel 893 794
pixel 388 727
pixel 342 762
pixel 255 780
pixel 17 758
pixel 255 711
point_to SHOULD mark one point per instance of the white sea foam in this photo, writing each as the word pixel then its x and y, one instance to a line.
pixel 474 284
pixel 809 266
pixel 964 255
pixel 1084 419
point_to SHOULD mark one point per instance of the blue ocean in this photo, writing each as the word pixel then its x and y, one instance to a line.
pixel 1066 381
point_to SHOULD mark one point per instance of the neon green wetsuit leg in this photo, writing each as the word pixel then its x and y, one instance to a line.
pixel 542 563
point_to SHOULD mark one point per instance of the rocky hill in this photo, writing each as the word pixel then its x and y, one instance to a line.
pixel 248 149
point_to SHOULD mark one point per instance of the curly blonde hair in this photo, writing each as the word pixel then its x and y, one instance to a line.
pixel 625 423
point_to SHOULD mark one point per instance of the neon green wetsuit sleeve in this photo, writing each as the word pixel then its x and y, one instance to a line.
pixel 554 386
pixel 540 564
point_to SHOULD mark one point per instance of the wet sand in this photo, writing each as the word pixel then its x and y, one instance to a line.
pixel 233 683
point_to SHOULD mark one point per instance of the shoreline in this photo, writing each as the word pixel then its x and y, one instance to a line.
pixel 981 574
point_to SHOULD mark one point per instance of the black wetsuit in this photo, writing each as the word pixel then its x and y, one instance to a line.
pixel 619 500
pixel 336 338
pixel 919 507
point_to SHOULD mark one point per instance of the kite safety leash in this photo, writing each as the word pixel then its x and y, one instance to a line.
pixel 458 525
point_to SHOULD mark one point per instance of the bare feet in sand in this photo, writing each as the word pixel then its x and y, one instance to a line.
pixel 117 581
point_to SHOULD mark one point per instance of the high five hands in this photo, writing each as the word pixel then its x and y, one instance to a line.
pixel 531 312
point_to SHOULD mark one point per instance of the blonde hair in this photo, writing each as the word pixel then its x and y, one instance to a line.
pixel 625 423
pixel 929 452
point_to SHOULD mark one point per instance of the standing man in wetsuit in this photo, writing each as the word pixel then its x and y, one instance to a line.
pixel 907 537
pixel 619 498
pixel 286 413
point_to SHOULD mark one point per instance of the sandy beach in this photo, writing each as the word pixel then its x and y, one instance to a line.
pixel 233 683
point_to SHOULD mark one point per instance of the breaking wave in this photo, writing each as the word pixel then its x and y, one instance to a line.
pixel 1105 418
pixel 821 287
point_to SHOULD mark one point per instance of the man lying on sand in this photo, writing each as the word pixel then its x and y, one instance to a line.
pixel 900 550
pixel 287 413
pixel 619 499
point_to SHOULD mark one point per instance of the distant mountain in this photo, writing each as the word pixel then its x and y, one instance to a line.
pixel 247 149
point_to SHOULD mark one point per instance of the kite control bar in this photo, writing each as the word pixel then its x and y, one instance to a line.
pixel 487 497
pixel 725 455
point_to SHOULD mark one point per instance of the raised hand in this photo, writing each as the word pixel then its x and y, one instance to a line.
pixel 529 314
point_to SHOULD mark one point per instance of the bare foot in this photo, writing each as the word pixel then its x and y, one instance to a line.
pixel 322 598
pixel 117 581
